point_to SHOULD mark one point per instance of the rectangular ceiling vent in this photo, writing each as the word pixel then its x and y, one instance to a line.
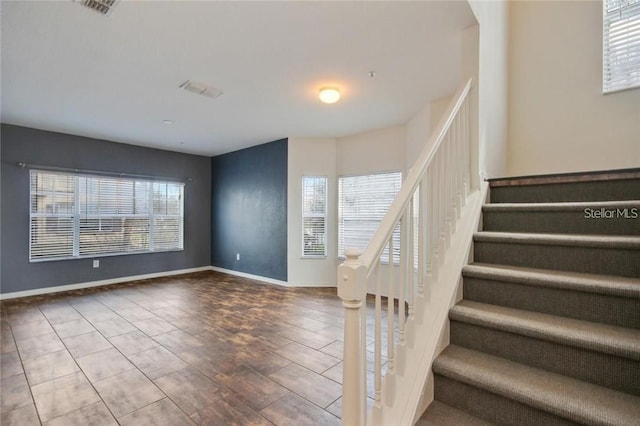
pixel 101 6
pixel 201 89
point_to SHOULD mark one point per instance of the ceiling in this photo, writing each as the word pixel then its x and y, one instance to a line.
pixel 66 68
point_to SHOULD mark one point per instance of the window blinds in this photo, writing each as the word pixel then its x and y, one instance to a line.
pixel 74 216
pixel 314 216
pixel 53 204
pixel 362 203
pixel 621 45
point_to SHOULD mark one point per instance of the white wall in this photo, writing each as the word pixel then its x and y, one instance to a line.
pixel 377 151
pixel 380 150
pixel 492 17
pixel 559 119
pixel 311 157
pixel 421 126
pixel 417 134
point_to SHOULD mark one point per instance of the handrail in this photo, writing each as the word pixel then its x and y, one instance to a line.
pixel 438 186
pixel 396 210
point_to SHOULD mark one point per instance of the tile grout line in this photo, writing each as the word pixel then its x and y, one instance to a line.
pixel 33 400
pixel 292 303
pixel 132 363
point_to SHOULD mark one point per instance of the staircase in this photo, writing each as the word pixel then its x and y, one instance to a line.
pixel 548 331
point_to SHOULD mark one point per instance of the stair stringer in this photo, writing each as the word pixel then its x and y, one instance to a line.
pixel 413 386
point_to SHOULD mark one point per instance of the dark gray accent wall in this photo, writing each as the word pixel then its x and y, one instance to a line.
pixel 249 210
pixel 21 144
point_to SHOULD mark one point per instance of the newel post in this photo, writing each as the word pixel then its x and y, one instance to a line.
pixel 352 289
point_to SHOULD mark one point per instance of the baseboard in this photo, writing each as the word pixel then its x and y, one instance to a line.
pixel 312 285
pixel 250 276
pixel 78 286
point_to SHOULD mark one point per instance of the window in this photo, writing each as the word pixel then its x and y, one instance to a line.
pixel 362 203
pixel 621 45
pixel 314 216
pixel 75 216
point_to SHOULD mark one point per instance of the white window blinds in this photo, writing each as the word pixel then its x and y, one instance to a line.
pixel 74 216
pixel 362 203
pixel 621 45
pixel 53 206
pixel 314 216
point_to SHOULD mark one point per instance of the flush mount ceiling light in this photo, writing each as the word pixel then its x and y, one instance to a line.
pixel 167 122
pixel 329 95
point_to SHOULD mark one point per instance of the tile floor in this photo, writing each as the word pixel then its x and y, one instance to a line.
pixel 206 348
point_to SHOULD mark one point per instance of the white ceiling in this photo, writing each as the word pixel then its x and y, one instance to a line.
pixel 69 69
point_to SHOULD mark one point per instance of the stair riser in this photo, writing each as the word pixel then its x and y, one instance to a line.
pixel 613 190
pixel 564 222
pixel 606 309
pixel 594 260
pixel 621 374
pixel 491 407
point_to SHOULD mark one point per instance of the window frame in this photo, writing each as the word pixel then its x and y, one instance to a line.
pixel 617 80
pixel 80 218
pixel 324 217
pixel 396 236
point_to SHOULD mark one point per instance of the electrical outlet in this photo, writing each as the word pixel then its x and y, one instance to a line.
pixel 96 263
pixel 237 256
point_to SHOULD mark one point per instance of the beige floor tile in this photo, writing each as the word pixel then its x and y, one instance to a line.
pixel 161 413
pixel 101 365
pixel 92 414
pixel 48 367
pixel 126 392
pixel 63 395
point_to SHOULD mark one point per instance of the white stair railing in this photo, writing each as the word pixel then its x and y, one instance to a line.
pixel 425 212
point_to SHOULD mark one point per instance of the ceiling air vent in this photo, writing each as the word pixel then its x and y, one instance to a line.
pixel 101 6
pixel 201 89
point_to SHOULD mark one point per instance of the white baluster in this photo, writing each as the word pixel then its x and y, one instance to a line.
pixel 403 278
pixel 428 212
pixel 466 148
pixel 422 199
pixel 410 262
pixel 352 291
pixel 459 169
pixel 391 311
pixel 377 360
pixel 442 205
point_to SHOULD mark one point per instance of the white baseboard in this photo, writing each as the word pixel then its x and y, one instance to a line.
pixel 313 285
pixel 78 286
pixel 251 276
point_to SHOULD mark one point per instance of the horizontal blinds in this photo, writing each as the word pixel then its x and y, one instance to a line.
pixel 52 206
pixel 314 215
pixel 106 235
pixel 108 222
pixel 167 216
pixel 362 203
pixel 621 45
pixel 167 233
pixel 79 215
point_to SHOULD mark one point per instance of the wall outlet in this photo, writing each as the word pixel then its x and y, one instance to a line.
pixel 237 256
pixel 96 263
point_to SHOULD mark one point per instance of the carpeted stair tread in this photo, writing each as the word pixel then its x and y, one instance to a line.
pixel 441 414
pixel 608 339
pixel 567 240
pixel 592 283
pixel 559 395
pixel 560 207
